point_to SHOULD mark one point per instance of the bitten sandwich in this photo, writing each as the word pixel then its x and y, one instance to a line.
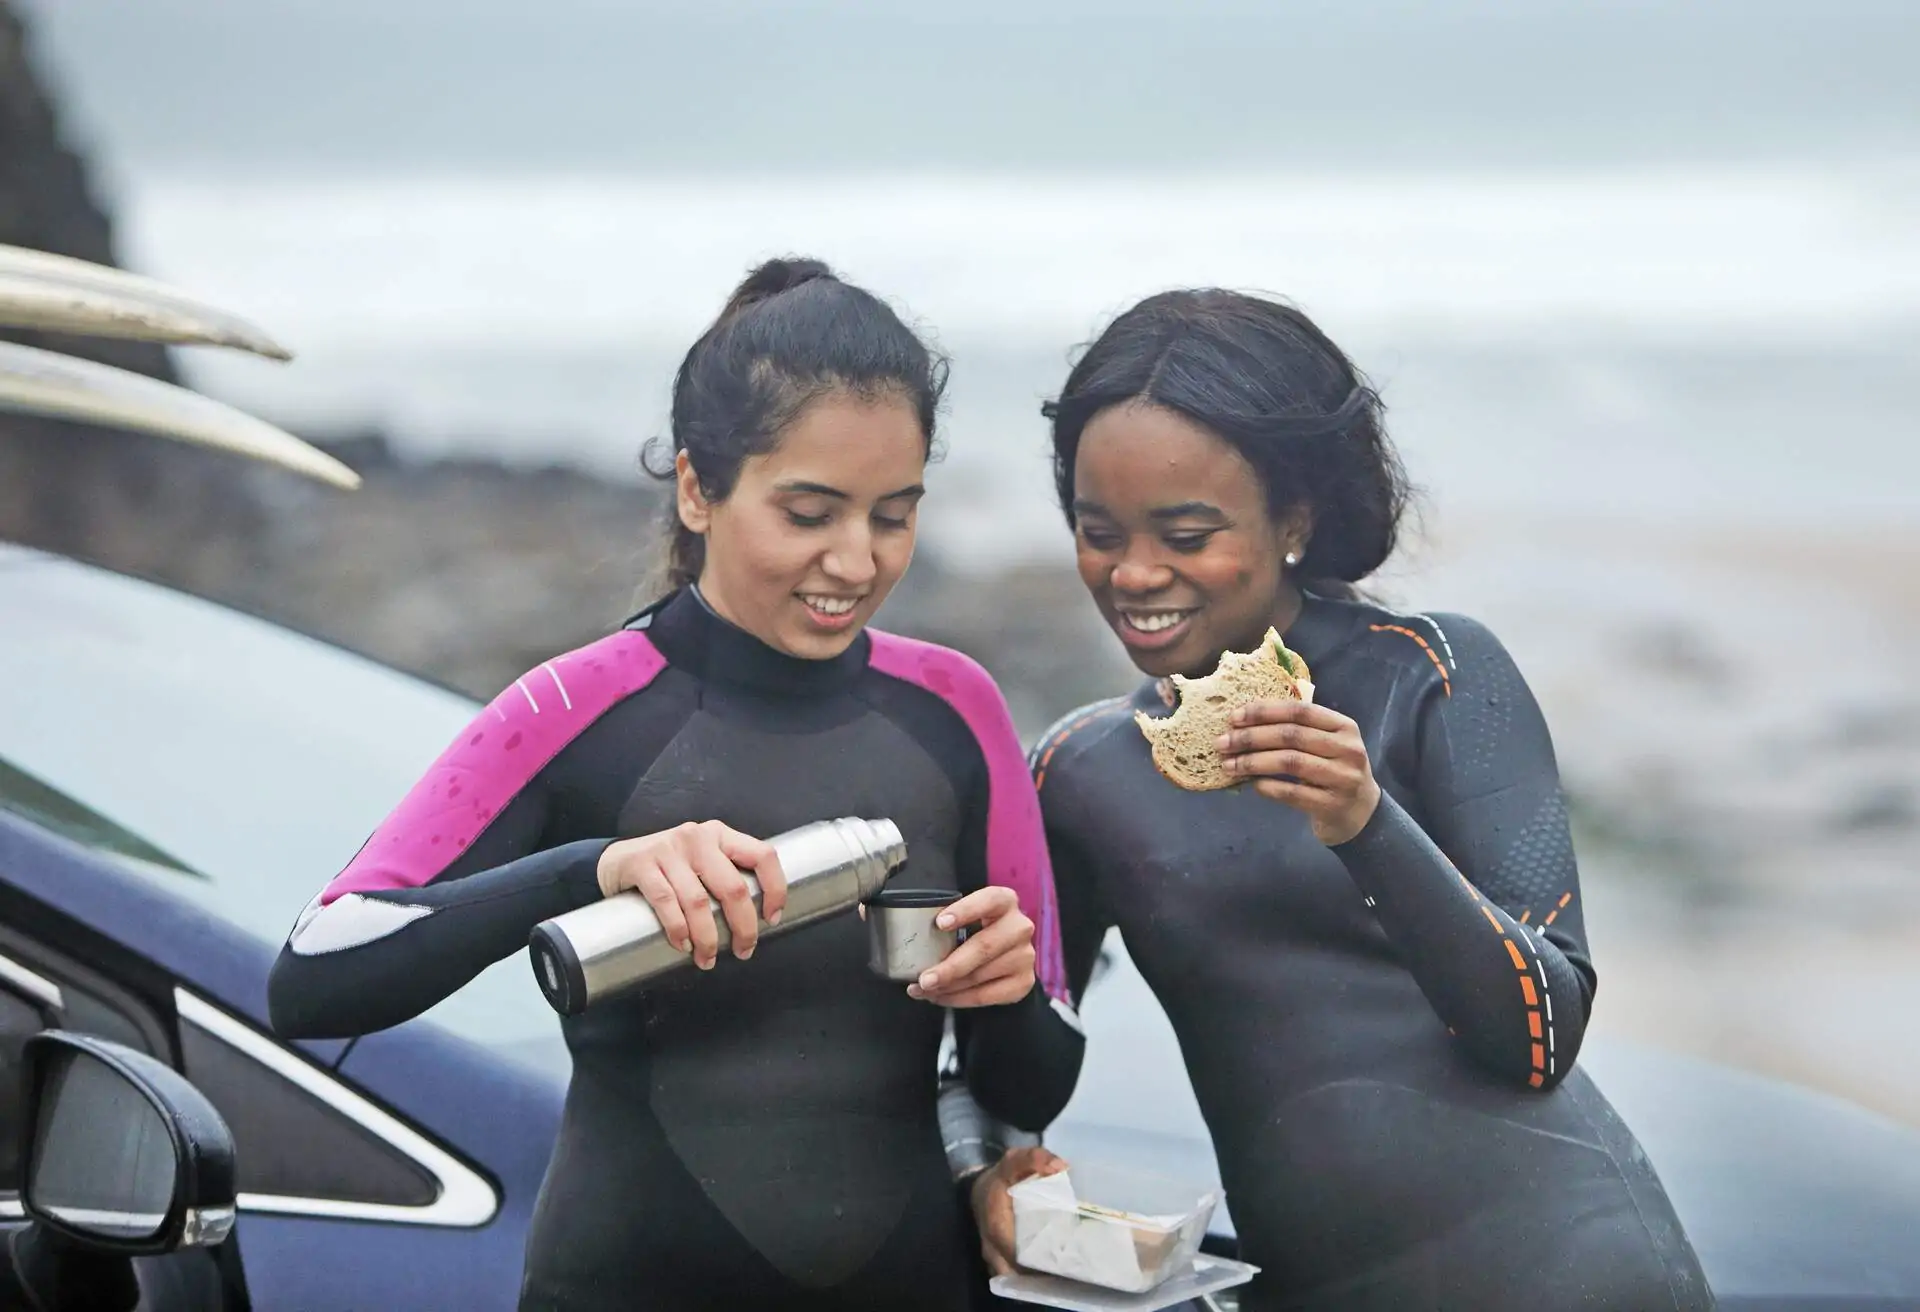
pixel 1183 742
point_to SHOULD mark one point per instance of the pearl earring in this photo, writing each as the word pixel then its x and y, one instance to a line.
pixel 1292 560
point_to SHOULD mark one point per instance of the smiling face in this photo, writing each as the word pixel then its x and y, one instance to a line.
pixel 1174 540
pixel 817 531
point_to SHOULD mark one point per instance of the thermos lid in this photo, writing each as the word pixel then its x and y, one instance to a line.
pixel 557 968
pixel 914 897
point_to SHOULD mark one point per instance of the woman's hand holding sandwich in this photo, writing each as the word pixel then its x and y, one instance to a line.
pixel 1307 756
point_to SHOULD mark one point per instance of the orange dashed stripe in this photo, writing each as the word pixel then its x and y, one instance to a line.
pixel 1525 914
pixel 1558 907
pixel 1432 655
pixel 1534 1028
pixel 1040 772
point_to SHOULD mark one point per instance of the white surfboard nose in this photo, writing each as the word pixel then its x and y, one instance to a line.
pixel 33 381
pixel 57 294
pixel 53 293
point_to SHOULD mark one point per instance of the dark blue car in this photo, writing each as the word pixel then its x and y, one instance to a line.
pixel 176 780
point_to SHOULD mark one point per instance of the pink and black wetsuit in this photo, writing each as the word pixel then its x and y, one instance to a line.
pixel 763 1134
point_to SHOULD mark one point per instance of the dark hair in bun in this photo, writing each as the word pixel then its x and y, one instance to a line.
pixel 791 333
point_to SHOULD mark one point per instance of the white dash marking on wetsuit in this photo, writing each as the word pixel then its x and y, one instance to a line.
pixel 1546 998
pixel 1445 646
pixel 1370 902
pixel 348 922
pixel 522 686
pixel 554 674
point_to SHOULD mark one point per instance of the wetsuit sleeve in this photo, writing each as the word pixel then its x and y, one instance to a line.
pixel 1483 900
pixel 974 1139
pixel 1084 921
pixel 389 937
pixel 1020 1061
pixel 459 874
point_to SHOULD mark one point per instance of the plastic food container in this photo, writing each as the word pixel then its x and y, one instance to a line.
pixel 1207 1276
pixel 1116 1229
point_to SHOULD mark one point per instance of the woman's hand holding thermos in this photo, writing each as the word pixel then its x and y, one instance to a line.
pixel 677 870
pixel 684 872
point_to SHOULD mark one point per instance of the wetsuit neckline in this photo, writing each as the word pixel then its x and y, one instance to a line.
pixel 1319 629
pixel 695 638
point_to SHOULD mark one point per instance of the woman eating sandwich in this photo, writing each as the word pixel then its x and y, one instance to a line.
pixel 1349 878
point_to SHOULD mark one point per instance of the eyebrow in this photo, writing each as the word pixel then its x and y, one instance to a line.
pixel 1182 510
pixel 1185 509
pixel 822 490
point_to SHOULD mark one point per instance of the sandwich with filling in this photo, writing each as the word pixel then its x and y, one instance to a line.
pixel 1183 742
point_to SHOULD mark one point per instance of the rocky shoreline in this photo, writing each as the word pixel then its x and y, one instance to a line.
pixel 469 572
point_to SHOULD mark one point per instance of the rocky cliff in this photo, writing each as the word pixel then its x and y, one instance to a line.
pixel 171 514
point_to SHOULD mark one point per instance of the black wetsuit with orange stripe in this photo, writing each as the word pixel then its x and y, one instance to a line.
pixel 1381 1035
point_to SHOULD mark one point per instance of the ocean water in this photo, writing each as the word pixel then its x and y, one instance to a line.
pixel 1730 343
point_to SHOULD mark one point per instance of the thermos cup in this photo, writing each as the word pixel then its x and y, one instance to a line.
pixel 902 940
pixel 614 944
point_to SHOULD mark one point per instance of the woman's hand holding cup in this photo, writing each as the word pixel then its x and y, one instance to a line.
pixel 994 966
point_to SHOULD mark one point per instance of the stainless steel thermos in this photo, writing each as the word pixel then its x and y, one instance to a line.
pixel 617 943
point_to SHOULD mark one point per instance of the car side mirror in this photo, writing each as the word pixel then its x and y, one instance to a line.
pixel 120 1152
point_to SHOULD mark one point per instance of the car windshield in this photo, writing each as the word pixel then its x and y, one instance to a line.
pixel 231 761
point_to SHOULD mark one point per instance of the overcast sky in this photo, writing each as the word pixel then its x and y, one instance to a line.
pixel 730 85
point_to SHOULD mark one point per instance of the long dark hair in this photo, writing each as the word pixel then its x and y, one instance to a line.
pixel 791 333
pixel 1261 376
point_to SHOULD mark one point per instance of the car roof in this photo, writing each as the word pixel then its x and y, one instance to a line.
pixel 1782 1190
pixel 88 593
pixel 242 750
